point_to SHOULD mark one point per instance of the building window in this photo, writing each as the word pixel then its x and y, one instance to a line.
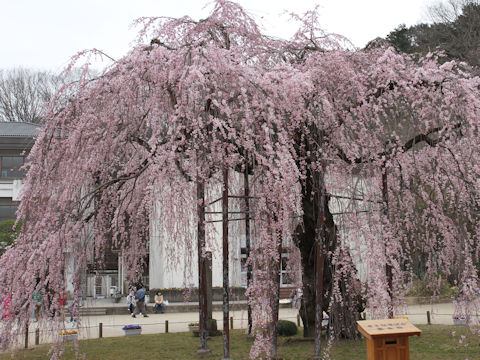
pixel 7 212
pixel 99 285
pixel 10 166
pixel 286 277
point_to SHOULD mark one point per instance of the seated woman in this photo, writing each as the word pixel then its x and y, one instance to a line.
pixel 159 303
pixel 131 302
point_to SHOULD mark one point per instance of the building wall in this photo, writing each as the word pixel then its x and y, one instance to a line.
pixel 10 180
pixel 11 189
pixel 343 205
pixel 177 266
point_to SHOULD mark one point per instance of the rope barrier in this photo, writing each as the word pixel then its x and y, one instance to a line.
pixel 411 314
pixel 37 331
pixel 433 313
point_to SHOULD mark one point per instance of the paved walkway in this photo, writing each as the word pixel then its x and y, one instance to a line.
pixel 178 322
pixel 88 327
pixel 440 313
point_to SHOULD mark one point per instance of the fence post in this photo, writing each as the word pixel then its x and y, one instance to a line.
pixel 26 336
pixel 37 337
pixel 100 330
pixel 231 322
pixel 166 326
pixel 428 318
pixel 298 320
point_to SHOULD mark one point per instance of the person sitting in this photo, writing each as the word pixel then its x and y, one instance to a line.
pixel 131 302
pixel 159 303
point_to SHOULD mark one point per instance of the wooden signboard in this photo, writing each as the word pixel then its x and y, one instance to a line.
pixel 387 339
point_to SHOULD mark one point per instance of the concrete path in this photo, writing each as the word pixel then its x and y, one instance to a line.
pixel 88 327
pixel 178 322
pixel 440 313
pixel 155 323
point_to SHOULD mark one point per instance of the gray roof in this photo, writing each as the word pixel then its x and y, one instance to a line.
pixel 21 129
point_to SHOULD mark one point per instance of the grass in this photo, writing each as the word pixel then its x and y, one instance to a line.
pixel 436 343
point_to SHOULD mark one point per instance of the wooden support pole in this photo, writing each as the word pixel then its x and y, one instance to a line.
pixel 275 301
pixel 100 330
pixel 246 189
pixel 37 337
pixel 429 322
pixel 202 267
pixel 226 333
pixel 319 262
pixel 388 266
pixel 231 322
pixel 298 320
pixel 166 326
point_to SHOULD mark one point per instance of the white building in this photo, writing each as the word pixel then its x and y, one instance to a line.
pixel 16 141
pixel 163 273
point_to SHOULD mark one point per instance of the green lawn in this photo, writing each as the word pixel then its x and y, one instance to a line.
pixel 436 343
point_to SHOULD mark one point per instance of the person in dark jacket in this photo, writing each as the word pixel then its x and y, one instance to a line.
pixel 140 307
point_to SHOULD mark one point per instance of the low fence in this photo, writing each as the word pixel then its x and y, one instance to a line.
pixel 40 335
pixel 88 331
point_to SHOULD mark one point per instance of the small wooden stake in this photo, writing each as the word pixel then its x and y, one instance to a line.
pixel 26 336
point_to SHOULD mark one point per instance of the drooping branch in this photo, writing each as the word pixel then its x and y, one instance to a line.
pixel 394 85
pixel 417 139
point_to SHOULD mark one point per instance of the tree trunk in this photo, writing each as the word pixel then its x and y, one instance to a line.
pixel 226 329
pixel 305 237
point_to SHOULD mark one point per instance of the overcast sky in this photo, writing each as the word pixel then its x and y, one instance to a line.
pixel 44 34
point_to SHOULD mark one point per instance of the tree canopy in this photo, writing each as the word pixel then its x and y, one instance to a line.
pixel 394 136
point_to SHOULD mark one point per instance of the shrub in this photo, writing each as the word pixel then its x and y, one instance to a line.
pixel 8 235
pixel 287 328
pixel 424 288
